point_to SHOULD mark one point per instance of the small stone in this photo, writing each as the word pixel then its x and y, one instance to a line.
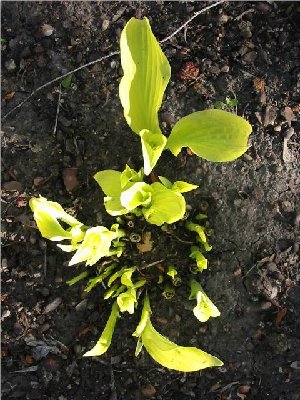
pixel 53 305
pixel 13 186
pixel 246 33
pixel 46 30
pixel 82 306
pixel 225 69
pixel 250 57
pixel 272 267
pixel 223 19
pixel 277 128
pixel 10 65
pixel 105 24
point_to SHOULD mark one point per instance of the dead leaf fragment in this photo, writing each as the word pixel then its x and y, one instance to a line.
pixel 53 305
pixel 9 96
pixel 146 244
pixel 70 179
pixel 189 71
pixel 270 115
pixel 280 316
pixel 149 391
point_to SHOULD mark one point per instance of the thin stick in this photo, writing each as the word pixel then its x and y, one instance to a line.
pixel 191 19
pixel 114 53
pixel 57 110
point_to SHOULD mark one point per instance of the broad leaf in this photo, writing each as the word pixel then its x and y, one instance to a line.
pixel 153 145
pixel 169 354
pixel 110 183
pixel 168 184
pixel 214 135
pixel 166 206
pixel 205 308
pixel 96 244
pixel 146 75
pixel 105 339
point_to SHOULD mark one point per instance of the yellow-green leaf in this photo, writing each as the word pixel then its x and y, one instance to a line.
pixel 96 244
pixel 105 339
pixel 146 75
pixel 205 308
pixel 167 206
pixel 47 215
pixel 169 354
pixel 214 135
pixel 153 145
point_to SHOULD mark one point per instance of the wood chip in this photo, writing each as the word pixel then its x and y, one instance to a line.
pixel 9 96
pixel 270 115
pixel 148 391
pixel 280 316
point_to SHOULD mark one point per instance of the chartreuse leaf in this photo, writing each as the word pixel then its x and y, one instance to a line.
pixel 47 215
pixel 105 339
pixel 152 147
pixel 110 182
pixel 126 277
pixel 169 354
pixel 199 257
pixel 96 244
pixel 130 175
pixel 191 226
pixel 98 279
pixel 168 184
pixel 183 187
pixel 205 308
pixel 127 300
pixel 146 75
pixel 166 206
pixel 139 194
pixel 77 278
pixel 214 135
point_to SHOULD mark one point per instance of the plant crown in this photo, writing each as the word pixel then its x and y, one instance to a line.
pixel 214 135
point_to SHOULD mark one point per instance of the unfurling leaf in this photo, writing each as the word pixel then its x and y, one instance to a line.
pixel 105 339
pixel 205 307
pixel 153 145
pixel 127 300
pixel 47 215
pixel 139 194
pixel 183 187
pixel 169 354
pixel 214 135
pixel 199 257
pixel 166 206
pixel 96 244
pixel 191 226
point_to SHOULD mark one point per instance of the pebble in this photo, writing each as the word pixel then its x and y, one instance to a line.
pixel 224 19
pixel 82 306
pixel 105 24
pixel 225 68
pixel 53 305
pixel 10 65
pixel 13 186
pixel 250 57
pixel 246 32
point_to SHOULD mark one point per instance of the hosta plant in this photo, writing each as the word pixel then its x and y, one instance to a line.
pixel 214 135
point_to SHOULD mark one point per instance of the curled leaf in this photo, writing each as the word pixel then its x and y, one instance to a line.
pixel 105 339
pixel 169 354
pixel 199 257
pixel 205 307
pixel 47 215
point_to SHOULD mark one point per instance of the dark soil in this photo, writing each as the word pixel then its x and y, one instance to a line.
pixel 247 50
